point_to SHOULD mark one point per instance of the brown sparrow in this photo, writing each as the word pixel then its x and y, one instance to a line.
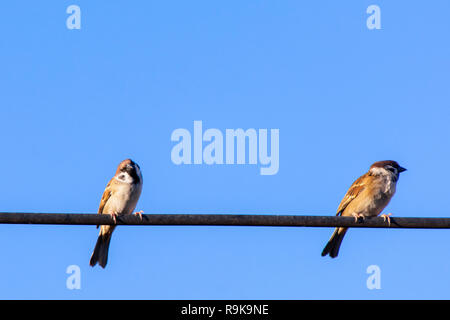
pixel 367 197
pixel 119 198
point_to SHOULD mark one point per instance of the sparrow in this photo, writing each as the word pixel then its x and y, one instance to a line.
pixel 119 198
pixel 367 197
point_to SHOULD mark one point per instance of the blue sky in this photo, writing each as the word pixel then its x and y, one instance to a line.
pixel 74 103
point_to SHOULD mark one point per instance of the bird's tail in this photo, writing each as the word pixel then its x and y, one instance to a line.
pixel 100 253
pixel 333 245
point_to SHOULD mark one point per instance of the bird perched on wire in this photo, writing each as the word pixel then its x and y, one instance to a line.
pixel 119 198
pixel 367 197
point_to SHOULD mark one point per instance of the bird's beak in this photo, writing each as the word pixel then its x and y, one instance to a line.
pixel 400 169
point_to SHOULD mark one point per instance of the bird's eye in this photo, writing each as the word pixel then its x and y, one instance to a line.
pixel 391 168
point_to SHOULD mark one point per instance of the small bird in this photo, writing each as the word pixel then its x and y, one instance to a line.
pixel 367 197
pixel 119 198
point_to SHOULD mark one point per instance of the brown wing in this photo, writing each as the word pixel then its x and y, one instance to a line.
pixel 105 197
pixel 352 193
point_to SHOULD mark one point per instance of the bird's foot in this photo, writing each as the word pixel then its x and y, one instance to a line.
pixel 357 216
pixel 387 217
pixel 139 214
pixel 114 217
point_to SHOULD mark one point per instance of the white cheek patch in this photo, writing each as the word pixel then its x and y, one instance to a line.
pixel 389 179
pixel 124 177
pixel 385 172
pixel 379 171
